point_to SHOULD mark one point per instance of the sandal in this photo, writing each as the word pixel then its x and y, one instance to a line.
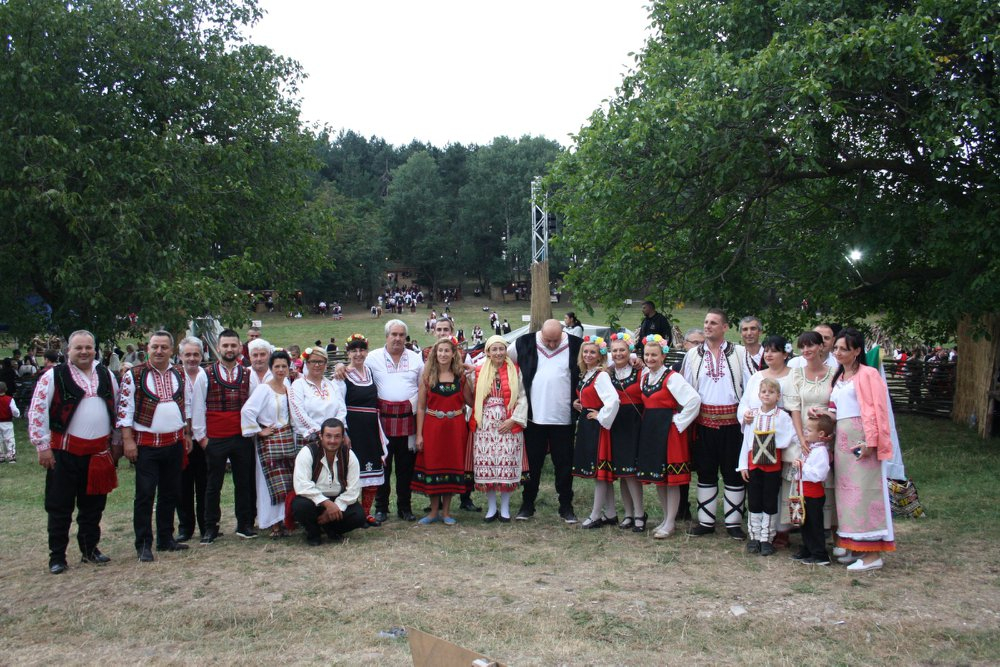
pixel 276 532
pixel 609 520
pixel 640 524
pixel 627 523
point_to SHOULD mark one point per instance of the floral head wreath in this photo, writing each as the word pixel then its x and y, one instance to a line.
pixel 357 338
pixel 451 339
pixel 657 339
pixel 626 337
pixel 602 345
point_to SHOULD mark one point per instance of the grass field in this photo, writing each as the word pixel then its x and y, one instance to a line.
pixel 531 593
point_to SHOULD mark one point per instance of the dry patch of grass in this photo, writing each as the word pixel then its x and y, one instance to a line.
pixel 529 593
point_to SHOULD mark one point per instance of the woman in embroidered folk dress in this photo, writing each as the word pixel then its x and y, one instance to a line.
pixel 597 403
pixel 266 415
pixel 368 443
pixel 442 432
pixel 859 404
pixel 499 415
pixel 625 430
pixel 670 406
pixel 807 393
pixel 775 352
pixel 314 399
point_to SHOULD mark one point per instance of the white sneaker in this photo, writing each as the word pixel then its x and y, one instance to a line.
pixel 860 565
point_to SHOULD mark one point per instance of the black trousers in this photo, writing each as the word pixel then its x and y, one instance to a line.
pixel 763 490
pixel 191 505
pixel 157 469
pixel 812 530
pixel 66 488
pixel 306 513
pixel 404 459
pixel 557 440
pixel 717 450
pixel 239 451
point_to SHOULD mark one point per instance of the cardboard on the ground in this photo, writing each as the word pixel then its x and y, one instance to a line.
pixel 430 651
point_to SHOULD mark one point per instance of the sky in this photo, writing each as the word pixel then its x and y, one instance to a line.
pixel 450 71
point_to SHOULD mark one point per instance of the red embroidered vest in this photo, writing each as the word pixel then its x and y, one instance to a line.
pixel 146 401
pixel 66 396
pixel 6 415
pixel 225 400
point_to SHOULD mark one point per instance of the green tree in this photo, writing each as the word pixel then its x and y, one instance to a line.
pixel 422 236
pixel 757 144
pixel 496 206
pixel 153 162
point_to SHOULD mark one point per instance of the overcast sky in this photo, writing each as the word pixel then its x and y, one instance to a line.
pixel 455 71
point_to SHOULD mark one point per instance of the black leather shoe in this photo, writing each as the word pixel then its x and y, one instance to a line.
pixel 246 532
pixel 57 568
pixel 490 518
pixel 183 537
pixel 145 555
pixel 525 513
pixel 470 506
pixel 210 535
pixel 314 541
pixel 503 519
pixel 381 517
pixel 697 530
pixel 736 532
pixel 567 515
pixel 96 557
pixel 172 545
pixel 407 516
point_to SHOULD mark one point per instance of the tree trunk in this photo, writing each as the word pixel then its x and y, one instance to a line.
pixel 541 304
pixel 976 390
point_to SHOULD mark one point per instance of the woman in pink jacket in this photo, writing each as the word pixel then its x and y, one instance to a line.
pixel 858 403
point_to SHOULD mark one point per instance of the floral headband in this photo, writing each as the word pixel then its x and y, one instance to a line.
pixel 602 346
pixel 656 339
pixel 357 338
pixel 626 337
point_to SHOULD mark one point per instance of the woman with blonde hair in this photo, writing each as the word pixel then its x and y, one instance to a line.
pixel 500 413
pixel 597 402
pixel 442 433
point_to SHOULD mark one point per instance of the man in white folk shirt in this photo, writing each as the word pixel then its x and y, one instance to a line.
pixel 260 354
pixel 152 410
pixel 718 371
pixel 750 332
pixel 548 365
pixel 71 424
pixel 396 372
pixel 191 504
pixel 327 486
pixel 218 397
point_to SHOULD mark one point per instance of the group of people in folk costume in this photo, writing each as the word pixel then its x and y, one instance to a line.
pixel 320 452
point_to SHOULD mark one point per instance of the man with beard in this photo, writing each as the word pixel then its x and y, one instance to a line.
pixel 151 415
pixel 70 423
pixel 717 369
pixel 218 397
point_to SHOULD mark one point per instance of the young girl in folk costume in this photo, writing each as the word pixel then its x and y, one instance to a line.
pixel 625 430
pixel 597 403
pixel 442 432
pixel 766 431
pixel 499 415
pixel 670 406
pixel 368 442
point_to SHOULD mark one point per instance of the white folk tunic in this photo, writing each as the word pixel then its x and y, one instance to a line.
pixel 90 421
pixel 312 404
pixel 551 393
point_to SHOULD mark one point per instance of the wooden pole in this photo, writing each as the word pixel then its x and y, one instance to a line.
pixel 541 304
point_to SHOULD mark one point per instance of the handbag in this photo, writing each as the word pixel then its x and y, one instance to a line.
pixel 796 502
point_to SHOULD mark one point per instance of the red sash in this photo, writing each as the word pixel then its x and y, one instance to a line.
pixel 102 478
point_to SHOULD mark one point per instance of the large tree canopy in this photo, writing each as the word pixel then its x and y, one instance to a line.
pixel 757 145
pixel 152 162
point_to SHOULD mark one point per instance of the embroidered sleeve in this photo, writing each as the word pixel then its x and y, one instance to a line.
pixel 301 421
pixel 38 412
pixel 126 401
